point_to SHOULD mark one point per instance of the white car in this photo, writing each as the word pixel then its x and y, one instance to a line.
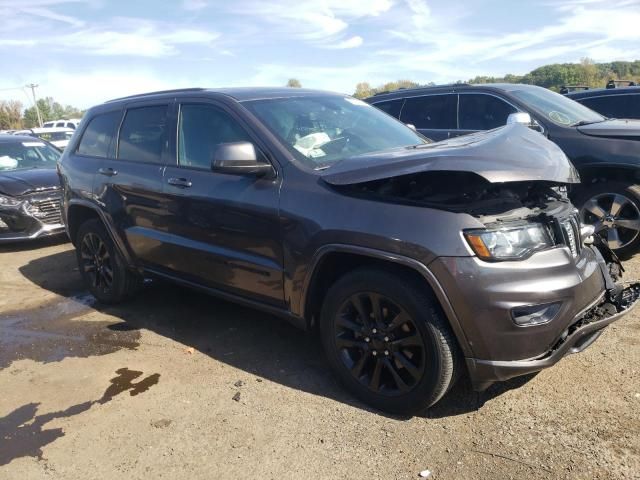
pixel 71 123
pixel 58 137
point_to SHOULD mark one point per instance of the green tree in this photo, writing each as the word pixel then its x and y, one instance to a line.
pixel 49 110
pixel 10 115
pixel 363 90
pixel 294 83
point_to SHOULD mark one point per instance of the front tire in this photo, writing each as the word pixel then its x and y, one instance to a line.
pixel 613 208
pixel 103 269
pixel 387 341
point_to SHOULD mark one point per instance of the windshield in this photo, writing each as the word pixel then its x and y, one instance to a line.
pixel 322 130
pixel 16 155
pixel 557 108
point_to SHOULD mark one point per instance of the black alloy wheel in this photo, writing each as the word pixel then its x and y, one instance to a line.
pixel 96 262
pixel 379 343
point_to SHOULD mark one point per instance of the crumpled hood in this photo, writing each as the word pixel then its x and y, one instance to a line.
pixel 20 182
pixel 612 128
pixel 513 153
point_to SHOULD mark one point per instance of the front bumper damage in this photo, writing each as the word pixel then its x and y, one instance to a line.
pixel 33 217
pixel 618 300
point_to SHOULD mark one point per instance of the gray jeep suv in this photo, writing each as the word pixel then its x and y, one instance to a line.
pixel 413 261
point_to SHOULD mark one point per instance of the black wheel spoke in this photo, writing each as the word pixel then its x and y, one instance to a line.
pixel 399 320
pixel 400 383
pixel 374 384
pixel 359 366
pixel 406 363
pixel 342 342
pixel 356 301
pixel 411 341
pixel 376 309
pixel 345 322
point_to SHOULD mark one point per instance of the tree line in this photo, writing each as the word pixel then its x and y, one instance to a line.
pixel 554 77
pixel 13 116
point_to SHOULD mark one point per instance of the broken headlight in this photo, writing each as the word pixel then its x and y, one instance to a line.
pixel 8 201
pixel 509 243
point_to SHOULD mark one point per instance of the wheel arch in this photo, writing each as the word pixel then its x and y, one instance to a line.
pixel 80 211
pixel 333 261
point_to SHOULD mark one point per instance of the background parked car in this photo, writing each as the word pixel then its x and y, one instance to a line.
pixel 29 189
pixel 58 137
pixel 71 123
pixel 606 152
pixel 613 102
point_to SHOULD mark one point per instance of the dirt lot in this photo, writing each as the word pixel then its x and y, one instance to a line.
pixel 179 385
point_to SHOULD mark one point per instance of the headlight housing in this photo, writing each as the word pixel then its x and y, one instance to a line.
pixel 511 243
pixel 8 201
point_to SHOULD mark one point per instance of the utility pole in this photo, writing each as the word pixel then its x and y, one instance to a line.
pixel 33 86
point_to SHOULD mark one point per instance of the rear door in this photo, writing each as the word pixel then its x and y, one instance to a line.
pixel 130 185
pixel 481 111
pixel 224 229
pixel 434 116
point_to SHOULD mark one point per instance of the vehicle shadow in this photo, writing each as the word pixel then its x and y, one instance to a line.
pixel 257 343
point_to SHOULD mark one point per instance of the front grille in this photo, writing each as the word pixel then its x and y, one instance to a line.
pixel 47 210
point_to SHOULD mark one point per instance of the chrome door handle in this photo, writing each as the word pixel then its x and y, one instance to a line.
pixel 179 182
pixel 109 172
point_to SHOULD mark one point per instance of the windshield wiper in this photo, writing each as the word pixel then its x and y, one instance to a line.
pixel 585 122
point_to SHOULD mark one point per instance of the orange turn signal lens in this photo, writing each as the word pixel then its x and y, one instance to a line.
pixel 478 245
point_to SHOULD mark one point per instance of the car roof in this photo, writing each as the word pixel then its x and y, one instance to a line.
pixel 8 138
pixel 600 92
pixel 51 129
pixel 240 94
pixel 454 87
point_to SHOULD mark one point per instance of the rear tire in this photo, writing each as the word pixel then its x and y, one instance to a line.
pixel 402 359
pixel 614 209
pixel 103 269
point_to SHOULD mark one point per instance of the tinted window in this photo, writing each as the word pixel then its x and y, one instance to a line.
pixel 202 128
pixel 392 107
pixel 482 112
pixel 431 112
pixel 71 125
pixel 99 134
pixel 614 106
pixel 60 124
pixel 142 134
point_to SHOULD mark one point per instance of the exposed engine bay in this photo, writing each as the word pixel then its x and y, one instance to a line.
pixel 463 192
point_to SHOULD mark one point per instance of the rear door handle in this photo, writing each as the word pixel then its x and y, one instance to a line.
pixel 179 182
pixel 109 172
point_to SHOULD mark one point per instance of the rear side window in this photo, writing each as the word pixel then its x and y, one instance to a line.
pixel 202 129
pixel 97 137
pixel 436 112
pixel 615 106
pixel 392 107
pixel 483 112
pixel 142 134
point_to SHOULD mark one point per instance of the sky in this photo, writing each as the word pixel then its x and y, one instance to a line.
pixel 83 52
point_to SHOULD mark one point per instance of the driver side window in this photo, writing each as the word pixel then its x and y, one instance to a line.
pixel 202 128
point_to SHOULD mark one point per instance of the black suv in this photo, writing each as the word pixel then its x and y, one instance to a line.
pixel 612 102
pixel 410 259
pixel 605 151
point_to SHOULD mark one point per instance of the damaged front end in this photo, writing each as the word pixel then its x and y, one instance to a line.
pixel 536 285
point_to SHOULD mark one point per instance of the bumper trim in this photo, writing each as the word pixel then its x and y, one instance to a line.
pixel 484 373
pixel 43 230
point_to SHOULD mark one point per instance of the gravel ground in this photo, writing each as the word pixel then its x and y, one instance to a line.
pixel 175 384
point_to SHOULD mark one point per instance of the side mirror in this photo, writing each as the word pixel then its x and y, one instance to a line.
pixel 411 126
pixel 239 158
pixel 523 118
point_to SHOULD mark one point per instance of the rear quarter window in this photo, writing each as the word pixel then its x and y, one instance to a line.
pixel 97 138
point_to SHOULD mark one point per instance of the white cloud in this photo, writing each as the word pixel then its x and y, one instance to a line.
pixel 352 42
pixel 194 5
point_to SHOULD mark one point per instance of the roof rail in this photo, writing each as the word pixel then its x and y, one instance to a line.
pixel 614 83
pixel 571 88
pixel 176 90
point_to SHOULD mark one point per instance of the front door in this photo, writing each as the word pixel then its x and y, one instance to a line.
pixel 434 116
pixel 224 229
